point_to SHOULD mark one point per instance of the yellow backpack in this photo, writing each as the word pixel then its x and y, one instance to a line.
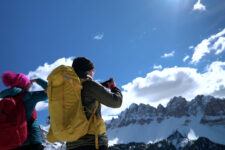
pixel 68 120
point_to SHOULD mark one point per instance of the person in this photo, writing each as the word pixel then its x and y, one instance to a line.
pixel 20 83
pixel 93 91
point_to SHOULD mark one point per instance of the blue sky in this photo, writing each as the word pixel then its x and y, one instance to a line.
pixel 154 49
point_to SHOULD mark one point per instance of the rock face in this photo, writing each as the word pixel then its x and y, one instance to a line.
pixel 215 107
pixel 161 110
pixel 211 110
pixel 177 107
pixel 142 114
pixel 175 141
pixel 214 112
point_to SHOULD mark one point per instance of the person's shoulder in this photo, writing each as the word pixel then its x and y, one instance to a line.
pixel 10 92
pixel 91 84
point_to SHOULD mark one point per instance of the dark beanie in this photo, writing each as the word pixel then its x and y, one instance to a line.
pixel 81 65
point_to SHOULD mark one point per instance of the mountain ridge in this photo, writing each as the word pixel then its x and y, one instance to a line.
pixel 203 116
pixel 177 107
pixel 175 141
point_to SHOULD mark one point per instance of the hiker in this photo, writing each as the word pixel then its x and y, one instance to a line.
pixel 93 91
pixel 20 83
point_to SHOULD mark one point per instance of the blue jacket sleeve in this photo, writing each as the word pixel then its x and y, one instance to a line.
pixel 10 92
pixel 37 96
pixel 42 83
pixel 32 98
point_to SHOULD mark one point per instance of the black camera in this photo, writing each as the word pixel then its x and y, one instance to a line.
pixel 106 83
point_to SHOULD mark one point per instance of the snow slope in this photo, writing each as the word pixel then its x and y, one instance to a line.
pixel 155 131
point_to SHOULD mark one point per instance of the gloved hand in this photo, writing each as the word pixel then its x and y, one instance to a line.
pixel 33 80
pixel 109 83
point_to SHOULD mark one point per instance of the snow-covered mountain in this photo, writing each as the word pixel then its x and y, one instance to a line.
pixel 175 141
pixel 204 116
pixel 50 146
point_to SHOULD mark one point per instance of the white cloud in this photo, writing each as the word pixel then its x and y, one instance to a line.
pixel 157 67
pixel 219 91
pixel 191 47
pixel 160 86
pixel 168 54
pixel 185 58
pixel 200 50
pixel 214 43
pixel 199 6
pixel 41 106
pixel 43 72
pixel 113 142
pixel 99 36
pixel 219 45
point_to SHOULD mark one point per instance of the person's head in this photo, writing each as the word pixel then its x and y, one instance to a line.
pixel 83 67
pixel 12 79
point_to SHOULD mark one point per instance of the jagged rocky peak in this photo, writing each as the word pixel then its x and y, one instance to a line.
pixel 214 112
pixel 175 101
pixel 198 104
pixel 178 140
pixel 216 107
pixel 135 114
pixel 176 135
pixel 161 109
pixel 199 97
pixel 133 106
pixel 127 112
pixel 177 107
pixel 202 99
pixel 142 109
pixel 147 109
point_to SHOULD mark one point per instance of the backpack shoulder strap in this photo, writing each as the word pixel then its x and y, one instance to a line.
pixel 95 124
pixel 32 118
pixel 93 116
pixel 20 96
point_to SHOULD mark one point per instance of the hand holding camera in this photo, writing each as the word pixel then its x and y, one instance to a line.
pixel 109 83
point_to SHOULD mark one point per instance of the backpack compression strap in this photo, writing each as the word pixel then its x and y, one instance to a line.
pixel 95 124
pixel 96 129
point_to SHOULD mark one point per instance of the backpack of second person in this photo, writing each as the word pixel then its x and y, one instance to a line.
pixel 68 121
pixel 13 124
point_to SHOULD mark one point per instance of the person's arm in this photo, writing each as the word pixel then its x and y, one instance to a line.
pixel 10 92
pixel 36 96
pixel 40 82
pixel 111 98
